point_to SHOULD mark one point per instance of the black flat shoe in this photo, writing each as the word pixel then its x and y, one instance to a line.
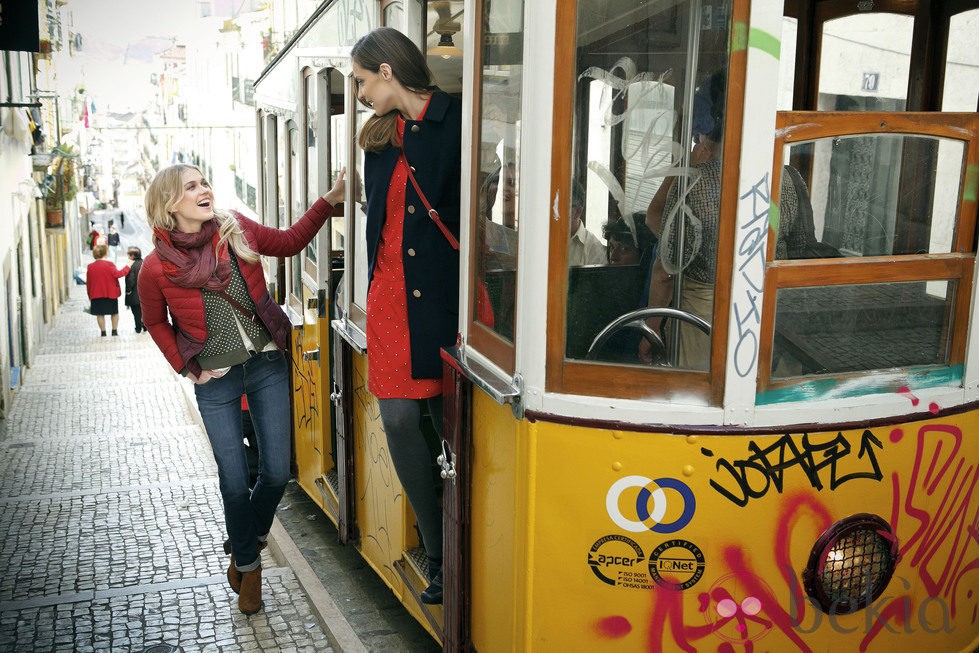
pixel 433 593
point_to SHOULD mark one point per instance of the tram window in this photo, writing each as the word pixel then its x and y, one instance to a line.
pixel 961 88
pixel 856 328
pixel 648 142
pixel 281 185
pixel 296 200
pixel 358 227
pixel 338 147
pixel 270 166
pixel 498 185
pixel 311 156
pixel 394 15
pixel 859 200
pixel 865 62
pixel 786 63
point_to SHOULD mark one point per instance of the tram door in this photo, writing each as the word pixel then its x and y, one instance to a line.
pixel 315 154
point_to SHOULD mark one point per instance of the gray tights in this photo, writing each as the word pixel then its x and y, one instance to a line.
pixel 413 462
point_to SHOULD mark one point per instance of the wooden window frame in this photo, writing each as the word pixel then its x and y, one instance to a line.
pixel 563 375
pixel 957 266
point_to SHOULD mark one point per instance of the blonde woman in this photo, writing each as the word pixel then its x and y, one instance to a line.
pixel 226 334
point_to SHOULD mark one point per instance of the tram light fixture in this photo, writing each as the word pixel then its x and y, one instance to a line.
pixel 445 27
pixel 446 48
pixel 851 564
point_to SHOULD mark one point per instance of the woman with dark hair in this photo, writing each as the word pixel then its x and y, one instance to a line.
pixel 205 303
pixel 411 162
pixel 102 283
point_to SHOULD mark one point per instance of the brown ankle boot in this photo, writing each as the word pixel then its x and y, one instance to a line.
pixel 234 576
pixel 250 597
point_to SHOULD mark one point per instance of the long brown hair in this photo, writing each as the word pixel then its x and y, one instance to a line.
pixel 165 191
pixel 408 66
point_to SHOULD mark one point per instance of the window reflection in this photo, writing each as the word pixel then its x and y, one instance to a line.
pixel 836 329
pixel 358 215
pixel 312 162
pixel 865 62
pixel 646 171
pixel 961 88
pixel 856 201
pixel 498 190
pixel 296 198
pixel 338 147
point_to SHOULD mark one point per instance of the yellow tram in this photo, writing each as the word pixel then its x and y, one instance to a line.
pixel 781 453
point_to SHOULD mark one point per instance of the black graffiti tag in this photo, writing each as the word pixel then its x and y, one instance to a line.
pixel 765 468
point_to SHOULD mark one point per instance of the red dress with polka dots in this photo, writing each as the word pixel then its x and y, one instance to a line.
pixel 388 345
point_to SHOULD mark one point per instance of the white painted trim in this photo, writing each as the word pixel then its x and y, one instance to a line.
pixel 535 204
pixel 751 237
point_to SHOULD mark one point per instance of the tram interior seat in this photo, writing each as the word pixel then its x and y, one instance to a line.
pixel 597 295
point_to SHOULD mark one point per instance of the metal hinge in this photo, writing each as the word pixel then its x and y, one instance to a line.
pixel 336 396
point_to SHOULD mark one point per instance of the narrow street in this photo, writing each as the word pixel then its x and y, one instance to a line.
pixel 110 514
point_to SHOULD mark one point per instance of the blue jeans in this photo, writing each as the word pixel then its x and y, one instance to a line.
pixel 264 378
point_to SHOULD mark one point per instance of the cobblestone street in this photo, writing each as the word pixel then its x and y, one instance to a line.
pixel 110 518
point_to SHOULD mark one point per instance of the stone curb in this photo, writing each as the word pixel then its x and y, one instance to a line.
pixel 339 631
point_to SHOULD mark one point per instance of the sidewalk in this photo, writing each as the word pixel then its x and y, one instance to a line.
pixel 110 518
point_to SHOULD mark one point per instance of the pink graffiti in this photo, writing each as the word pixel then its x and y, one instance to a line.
pixel 940 546
pixel 904 390
pixel 614 627
pixel 729 618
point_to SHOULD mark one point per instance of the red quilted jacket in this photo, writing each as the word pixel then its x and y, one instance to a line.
pixel 184 338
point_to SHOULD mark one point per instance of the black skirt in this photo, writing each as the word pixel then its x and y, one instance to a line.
pixel 105 306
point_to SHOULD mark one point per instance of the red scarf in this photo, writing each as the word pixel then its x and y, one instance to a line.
pixel 194 260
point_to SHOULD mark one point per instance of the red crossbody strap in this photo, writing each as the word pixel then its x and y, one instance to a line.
pixel 432 213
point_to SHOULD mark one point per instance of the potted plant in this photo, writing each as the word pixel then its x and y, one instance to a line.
pixel 60 185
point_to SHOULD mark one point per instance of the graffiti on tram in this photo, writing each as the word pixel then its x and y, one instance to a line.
pixel 751 268
pixel 379 496
pixel 834 461
pixel 304 405
pixel 934 512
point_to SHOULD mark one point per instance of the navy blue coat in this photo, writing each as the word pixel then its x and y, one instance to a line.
pixel 431 265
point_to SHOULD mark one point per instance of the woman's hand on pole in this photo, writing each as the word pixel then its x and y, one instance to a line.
pixel 336 194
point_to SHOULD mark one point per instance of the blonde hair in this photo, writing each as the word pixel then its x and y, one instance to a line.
pixel 166 190
pixel 100 251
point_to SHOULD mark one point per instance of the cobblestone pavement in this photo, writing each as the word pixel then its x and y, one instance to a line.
pixel 367 604
pixel 110 518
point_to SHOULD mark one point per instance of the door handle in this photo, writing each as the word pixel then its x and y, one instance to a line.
pixel 312 355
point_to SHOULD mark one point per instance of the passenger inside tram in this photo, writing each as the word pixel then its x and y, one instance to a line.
pixel 687 229
pixel 628 244
pixel 584 247
pixel 499 226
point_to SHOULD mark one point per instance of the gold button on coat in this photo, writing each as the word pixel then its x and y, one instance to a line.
pixel 411 251
pixel 411 208
pixel 416 293
pixel 416 128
